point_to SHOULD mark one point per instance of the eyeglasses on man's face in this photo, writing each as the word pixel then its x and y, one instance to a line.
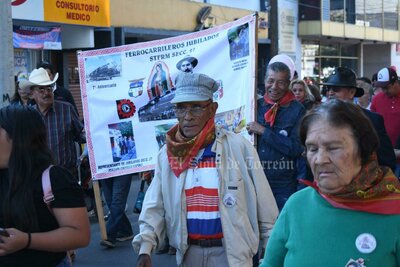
pixel 279 83
pixel 196 110
pixel 44 89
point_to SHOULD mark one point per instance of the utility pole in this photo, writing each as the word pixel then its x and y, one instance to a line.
pixel 7 84
pixel 273 27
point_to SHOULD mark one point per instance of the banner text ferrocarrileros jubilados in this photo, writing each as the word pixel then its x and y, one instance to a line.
pixel 171 47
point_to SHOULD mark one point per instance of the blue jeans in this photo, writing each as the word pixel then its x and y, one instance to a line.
pixel 116 192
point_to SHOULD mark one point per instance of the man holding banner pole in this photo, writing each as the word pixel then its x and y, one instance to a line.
pixel 278 121
pixel 209 193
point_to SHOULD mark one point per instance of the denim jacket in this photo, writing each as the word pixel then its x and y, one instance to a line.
pixel 279 146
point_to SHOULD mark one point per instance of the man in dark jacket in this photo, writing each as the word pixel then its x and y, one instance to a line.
pixel 342 85
pixel 278 120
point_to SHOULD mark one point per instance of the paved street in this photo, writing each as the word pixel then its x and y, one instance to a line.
pixel 123 254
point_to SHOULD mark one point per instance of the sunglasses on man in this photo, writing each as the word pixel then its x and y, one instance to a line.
pixel 334 88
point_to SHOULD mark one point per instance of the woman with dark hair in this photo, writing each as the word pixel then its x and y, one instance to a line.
pixel 35 234
pixel 20 96
pixel 351 212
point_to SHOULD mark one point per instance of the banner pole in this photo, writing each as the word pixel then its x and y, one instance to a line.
pixel 255 73
pixel 99 208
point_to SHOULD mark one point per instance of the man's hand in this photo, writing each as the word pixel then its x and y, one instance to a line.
pixel 143 260
pixel 255 127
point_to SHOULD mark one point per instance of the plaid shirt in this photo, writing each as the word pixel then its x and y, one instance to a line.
pixel 63 129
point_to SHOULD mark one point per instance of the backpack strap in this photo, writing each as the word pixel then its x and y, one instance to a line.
pixel 46 185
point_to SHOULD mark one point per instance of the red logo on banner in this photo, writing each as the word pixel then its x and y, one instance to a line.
pixel 126 108
pixel 17 2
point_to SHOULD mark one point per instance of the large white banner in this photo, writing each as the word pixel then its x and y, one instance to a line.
pixel 126 92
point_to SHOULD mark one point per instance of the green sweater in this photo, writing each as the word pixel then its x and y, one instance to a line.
pixel 310 232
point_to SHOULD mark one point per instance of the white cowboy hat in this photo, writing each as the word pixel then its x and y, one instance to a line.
pixel 38 77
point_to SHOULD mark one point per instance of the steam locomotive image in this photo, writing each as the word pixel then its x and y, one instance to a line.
pixel 105 72
pixel 158 108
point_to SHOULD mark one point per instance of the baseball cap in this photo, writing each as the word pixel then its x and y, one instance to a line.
pixel 385 77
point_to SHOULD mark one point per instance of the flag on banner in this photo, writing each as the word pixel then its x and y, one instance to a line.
pixel 126 92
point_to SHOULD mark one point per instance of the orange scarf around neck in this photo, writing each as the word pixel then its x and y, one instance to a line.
pixel 375 190
pixel 270 115
pixel 181 150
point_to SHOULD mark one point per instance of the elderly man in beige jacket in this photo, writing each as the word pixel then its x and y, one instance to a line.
pixel 209 193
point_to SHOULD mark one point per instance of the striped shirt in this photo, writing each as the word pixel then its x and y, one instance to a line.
pixel 63 129
pixel 201 189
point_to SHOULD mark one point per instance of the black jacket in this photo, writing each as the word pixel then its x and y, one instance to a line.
pixel 386 156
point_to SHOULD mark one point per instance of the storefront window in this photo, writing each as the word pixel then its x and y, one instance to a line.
pixel 373 13
pixel 327 66
pixel 25 60
pixel 390 14
pixel 348 50
pixel 350 63
pixel 309 9
pixel 310 50
pixel 330 50
pixel 319 60
pixel 360 12
pixel 310 61
pixel 350 11
pixel 337 10
pixel 376 13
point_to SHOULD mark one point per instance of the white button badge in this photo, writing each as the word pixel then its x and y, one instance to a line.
pixel 366 243
pixel 229 200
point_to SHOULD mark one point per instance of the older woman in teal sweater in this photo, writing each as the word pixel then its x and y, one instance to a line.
pixel 349 216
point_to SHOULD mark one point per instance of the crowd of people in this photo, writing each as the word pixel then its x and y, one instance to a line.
pixel 324 171
pixel 331 145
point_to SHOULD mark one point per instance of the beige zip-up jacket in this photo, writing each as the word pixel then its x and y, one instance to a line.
pixel 250 219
